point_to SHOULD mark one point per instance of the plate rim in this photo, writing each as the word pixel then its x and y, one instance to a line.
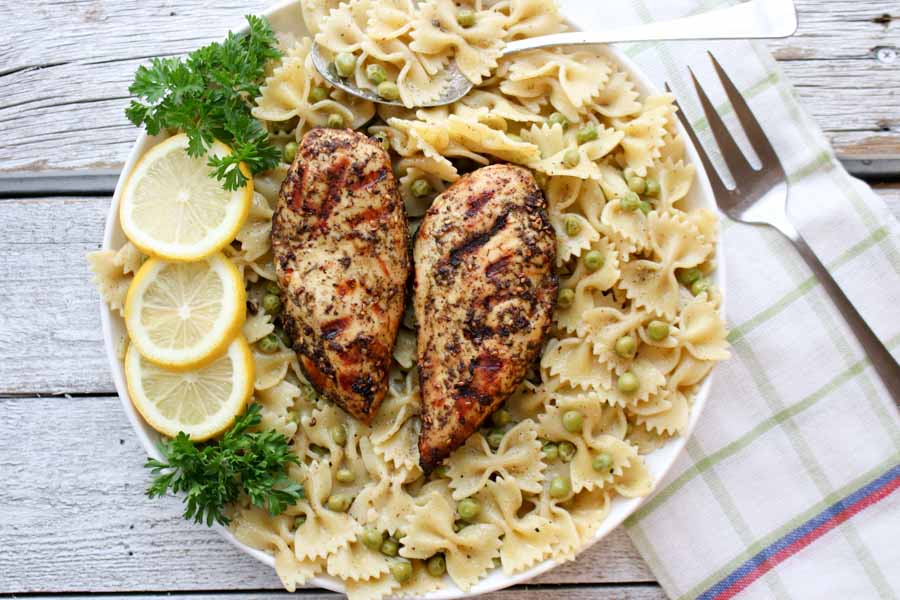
pixel 496 579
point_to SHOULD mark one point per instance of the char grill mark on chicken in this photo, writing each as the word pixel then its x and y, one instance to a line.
pixel 340 242
pixel 485 289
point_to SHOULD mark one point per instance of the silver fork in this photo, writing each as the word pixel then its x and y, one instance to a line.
pixel 760 198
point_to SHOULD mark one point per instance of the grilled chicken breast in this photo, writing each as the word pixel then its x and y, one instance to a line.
pixel 340 240
pixel 485 289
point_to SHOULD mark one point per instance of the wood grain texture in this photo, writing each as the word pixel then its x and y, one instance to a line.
pixel 50 337
pixel 77 520
pixel 65 68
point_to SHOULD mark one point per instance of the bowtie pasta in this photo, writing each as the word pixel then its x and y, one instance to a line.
pixel 637 324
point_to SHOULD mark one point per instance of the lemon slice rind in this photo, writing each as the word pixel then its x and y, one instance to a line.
pixel 158 203
pixel 142 307
pixel 156 393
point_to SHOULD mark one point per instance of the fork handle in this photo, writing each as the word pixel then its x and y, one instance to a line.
pixel 885 365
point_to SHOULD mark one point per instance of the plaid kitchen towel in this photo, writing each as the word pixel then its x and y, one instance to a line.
pixel 787 487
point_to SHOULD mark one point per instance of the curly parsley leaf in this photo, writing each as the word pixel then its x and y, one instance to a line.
pixel 213 475
pixel 208 95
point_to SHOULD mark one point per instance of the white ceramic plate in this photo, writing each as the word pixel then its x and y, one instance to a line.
pixel 286 17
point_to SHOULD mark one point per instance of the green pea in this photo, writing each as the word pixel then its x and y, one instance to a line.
pixel 573 421
pixel 271 303
pixel 700 286
pixel 630 201
pixel 299 520
pixel 272 288
pixel 420 188
pixel 688 276
pixel 572 226
pixel 465 18
pixel 501 418
pixel 335 121
pixel 339 502
pixel 268 345
pixel 436 565
pixel 372 538
pixel 571 158
pixel 290 152
pixel 588 133
pixel 442 471
pixel 388 90
pixel 402 570
pixel 468 508
pixel 594 260
pixel 283 337
pixel 565 298
pixel 383 139
pixel 652 187
pixel 390 547
pixel 628 382
pixel 645 207
pixel 317 94
pixel 658 330
pixel 345 476
pixel 494 439
pixel 344 64
pixel 567 451
pixel 339 435
pixel 550 451
pixel 558 119
pixel 602 462
pixel 636 184
pixel 376 74
pixel 559 487
pixel 626 346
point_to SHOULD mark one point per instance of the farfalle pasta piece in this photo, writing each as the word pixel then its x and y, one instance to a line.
pixel 276 408
pixel 588 286
pixel 629 225
pixel 371 589
pixel 325 531
pixel 600 418
pixel 475 49
pixel 563 526
pixel 588 509
pixel 357 562
pixel 570 79
pixel 646 441
pixel 421 582
pixel 478 138
pixel 604 326
pixel 383 502
pixel 572 362
pixel 315 11
pixel 568 245
pixel 469 553
pixel 676 243
pixel 635 481
pixel 675 180
pixel 257 326
pixel 702 331
pixel 113 272
pixel 269 183
pixel 255 234
pixel 258 529
pixel 528 400
pixel 285 93
pixel 528 539
pixel 494 103
pixel 529 18
pixel 394 431
pixel 553 142
pixel 518 458
pixel 405 348
pixel 644 138
pixel 670 417
pixel 271 368
pixel 618 98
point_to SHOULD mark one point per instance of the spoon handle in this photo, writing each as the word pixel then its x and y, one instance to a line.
pixel 752 19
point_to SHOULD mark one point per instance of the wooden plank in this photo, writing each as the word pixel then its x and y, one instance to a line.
pixel 50 338
pixel 66 69
pixel 610 592
pixel 76 518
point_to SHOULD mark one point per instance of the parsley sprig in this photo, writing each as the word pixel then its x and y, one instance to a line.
pixel 208 95
pixel 213 475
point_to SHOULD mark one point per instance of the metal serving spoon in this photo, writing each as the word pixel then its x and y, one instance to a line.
pixel 753 19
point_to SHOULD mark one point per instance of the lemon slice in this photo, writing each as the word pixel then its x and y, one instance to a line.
pixel 202 403
pixel 171 207
pixel 184 315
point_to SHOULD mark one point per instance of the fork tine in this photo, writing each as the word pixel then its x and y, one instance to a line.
pixel 719 190
pixel 758 139
pixel 737 163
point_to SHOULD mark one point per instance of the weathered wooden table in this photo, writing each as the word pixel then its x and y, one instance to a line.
pixel 73 516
